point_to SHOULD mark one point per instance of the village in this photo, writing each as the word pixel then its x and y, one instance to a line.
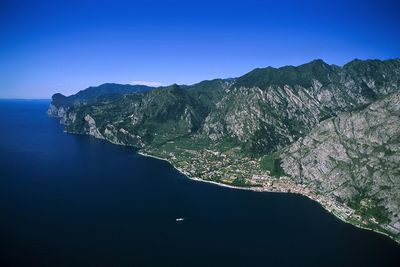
pixel 235 170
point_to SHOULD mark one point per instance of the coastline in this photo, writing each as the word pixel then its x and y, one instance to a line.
pixel 198 179
pixel 267 191
pixel 337 215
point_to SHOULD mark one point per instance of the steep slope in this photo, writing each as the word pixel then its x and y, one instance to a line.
pixel 334 130
pixel 269 108
pixel 209 93
pixel 145 118
pixel 104 92
pixel 354 159
pixel 265 109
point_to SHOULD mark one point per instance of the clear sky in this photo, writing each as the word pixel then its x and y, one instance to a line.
pixel 65 46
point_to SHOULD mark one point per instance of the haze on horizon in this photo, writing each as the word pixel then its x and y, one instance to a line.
pixel 66 46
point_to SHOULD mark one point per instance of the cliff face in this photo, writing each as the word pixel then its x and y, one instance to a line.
pixel 267 109
pixel 137 118
pixel 335 129
pixel 354 158
pixel 261 111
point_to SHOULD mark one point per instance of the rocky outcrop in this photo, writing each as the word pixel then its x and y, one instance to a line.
pixel 91 128
pixel 354 158
pixel 269 108
pixel 57 111
pixel 336 129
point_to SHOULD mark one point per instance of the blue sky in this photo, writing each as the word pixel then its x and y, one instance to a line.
pixel 64 46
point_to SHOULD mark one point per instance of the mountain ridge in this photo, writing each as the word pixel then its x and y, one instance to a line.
pixel 243 128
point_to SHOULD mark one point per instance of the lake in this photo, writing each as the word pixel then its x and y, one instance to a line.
pixel 71 200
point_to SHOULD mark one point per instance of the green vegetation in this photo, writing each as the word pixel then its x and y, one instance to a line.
pixel 95 94
pixel 272 164
pixel 302 75
pixel 378 212
pixel 233 130
pixel 240 182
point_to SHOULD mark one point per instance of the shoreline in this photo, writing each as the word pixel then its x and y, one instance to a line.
pixel 198 179
pixel 243 188
pixel 266 191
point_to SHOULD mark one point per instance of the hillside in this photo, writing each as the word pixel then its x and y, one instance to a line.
pixel 354 159
pixel 250 131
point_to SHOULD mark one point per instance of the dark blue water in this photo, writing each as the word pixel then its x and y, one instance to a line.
pixel 69 200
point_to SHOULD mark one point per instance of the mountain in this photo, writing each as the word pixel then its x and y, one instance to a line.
pixel 266 109
pixel 104 92
pixel 260 129
pixel 354 159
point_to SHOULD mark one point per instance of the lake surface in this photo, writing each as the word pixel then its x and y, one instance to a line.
pixel 70 200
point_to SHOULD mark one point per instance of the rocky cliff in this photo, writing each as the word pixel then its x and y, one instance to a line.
pixel 334 130
pixel 354 158
pixel 269 108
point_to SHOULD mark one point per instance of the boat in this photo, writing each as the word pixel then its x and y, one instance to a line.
pixel 179 219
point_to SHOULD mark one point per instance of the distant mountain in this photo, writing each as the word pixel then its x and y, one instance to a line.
pixel 98 93
pixel 268 122
pixel 174 110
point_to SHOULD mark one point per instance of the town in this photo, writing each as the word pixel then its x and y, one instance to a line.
pixel 233 169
